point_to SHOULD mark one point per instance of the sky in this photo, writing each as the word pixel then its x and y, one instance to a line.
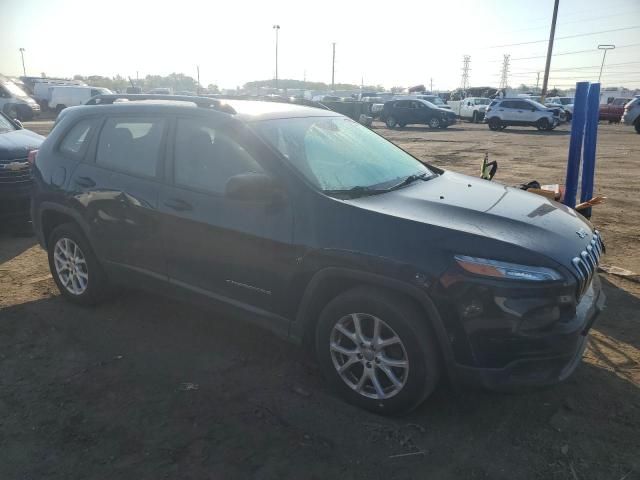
pixel 417 42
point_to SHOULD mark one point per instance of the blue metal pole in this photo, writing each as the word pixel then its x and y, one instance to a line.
pixel 589 149
pixel 575 144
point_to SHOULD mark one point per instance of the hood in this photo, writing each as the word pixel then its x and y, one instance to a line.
pixel 480 208
pixel 17 144
pixel 482 108
pixel 446 110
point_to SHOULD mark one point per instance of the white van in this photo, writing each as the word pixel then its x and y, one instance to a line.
pixel 66 96
pixel 15 103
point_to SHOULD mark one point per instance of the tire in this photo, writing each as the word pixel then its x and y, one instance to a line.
pixel 59 108
pixel 402 124
pixel 391 121
pixel 495 124
pixel 637 126
pixel 569 116
pixel 416 347
pixel 434 123
pixel 474 117
pixel 543 124
pixel 95 288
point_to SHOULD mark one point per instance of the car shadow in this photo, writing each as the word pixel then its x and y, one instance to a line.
pixel 14 240
pixel 557 133
pixel 146 384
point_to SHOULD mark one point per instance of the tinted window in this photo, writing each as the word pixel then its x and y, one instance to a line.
pixel 131 144
pixel 403 104
pixel 75 141
pixel 508 104
pixel 521 105
pixel 206 157
pixel 6 125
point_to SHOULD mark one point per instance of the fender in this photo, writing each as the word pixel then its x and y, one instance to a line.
pixel 299 327
pixel 51 206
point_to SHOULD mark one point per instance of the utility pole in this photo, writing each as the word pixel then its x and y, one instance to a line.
pixel 504 75
pixel 537 81
pixel 24 70
pixel 431 85
pixel 464 83
pixel 333 68
pixel 198 73
pixel 552 35
pixel 604 55
pixel 277 29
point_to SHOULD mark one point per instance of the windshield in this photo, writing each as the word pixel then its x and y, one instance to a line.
pixel 338 154
pixel 566 101
pixel 435 100
pixel 537 104
pixel 14 89
pixel 5 125
pixel 482 101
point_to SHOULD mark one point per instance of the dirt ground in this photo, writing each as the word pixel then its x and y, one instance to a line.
pixel 148 388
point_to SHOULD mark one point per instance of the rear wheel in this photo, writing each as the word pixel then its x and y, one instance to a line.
pixel 391 121
pixel 377 350
pixel 74 266
pixel 474 117
pixel 495 124
pixel 434 122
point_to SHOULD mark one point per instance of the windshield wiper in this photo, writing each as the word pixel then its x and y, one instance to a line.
pixel 357 191
pixel 410 179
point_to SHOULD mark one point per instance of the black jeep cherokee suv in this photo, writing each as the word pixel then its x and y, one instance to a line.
pixel 395 273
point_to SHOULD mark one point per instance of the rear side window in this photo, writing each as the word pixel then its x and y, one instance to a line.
pixel 75 142
pixel 508 104
pixel 205 157
pixel 131 145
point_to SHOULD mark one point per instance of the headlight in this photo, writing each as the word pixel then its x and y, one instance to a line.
pixel 505 270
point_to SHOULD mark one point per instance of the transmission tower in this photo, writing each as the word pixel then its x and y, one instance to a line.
pixel 504 75
pixel 464 82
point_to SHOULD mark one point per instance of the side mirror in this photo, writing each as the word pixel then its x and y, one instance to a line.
pixel 18 124
pixel 252 187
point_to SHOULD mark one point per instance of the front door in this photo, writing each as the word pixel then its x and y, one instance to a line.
pixel 232 250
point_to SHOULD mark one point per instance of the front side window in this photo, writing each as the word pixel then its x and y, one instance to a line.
pixel 75 141
pixel 131 144
pixel 482 101
pixel 206 157
pixel 338 154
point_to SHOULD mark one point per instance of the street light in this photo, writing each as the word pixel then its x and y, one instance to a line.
pixel 277 29
pixel 604 55
pixel 24 71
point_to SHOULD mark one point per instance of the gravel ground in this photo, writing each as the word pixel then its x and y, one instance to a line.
pixel 144 387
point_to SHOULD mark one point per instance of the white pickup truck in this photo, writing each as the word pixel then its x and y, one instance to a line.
pixel 471 108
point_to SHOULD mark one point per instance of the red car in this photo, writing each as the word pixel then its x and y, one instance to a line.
pixel 613 110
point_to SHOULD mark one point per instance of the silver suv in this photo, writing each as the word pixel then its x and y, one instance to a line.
pixel 631 114
pixel 506 112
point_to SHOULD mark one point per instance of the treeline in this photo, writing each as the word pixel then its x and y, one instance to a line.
pixel 301 84
pixel 176 81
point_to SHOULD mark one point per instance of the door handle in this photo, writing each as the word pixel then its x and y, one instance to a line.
pixel 85 182
pixel 178 205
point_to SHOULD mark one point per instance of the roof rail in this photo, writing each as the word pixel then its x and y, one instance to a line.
pixel 201 102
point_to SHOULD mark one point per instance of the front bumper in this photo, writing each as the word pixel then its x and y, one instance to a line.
pixel 627 119
pixel 547 358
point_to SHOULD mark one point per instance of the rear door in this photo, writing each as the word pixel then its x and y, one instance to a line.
pixel 507 110
pixel 223 248
pixel 527 112
pixel 117 192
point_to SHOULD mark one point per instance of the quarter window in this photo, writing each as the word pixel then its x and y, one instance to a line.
pixel 131 144
pixel 76 140
pixel 206 157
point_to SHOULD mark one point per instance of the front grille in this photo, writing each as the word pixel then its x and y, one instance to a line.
pixel 15 172
pixel 586 263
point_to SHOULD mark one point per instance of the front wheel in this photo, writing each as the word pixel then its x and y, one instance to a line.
pixel 495 124
pixel 434 123
pixel 543 124
pixel 74 266
pixel 391 121
pixel 377 350
pixel 474 118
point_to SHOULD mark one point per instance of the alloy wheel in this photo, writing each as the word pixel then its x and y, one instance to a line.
pixel 71 266
pixel 434 123
pixel 369 356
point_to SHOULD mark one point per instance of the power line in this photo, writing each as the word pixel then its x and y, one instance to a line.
pixel 579 68
pixel 591 50
pixel 564 38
